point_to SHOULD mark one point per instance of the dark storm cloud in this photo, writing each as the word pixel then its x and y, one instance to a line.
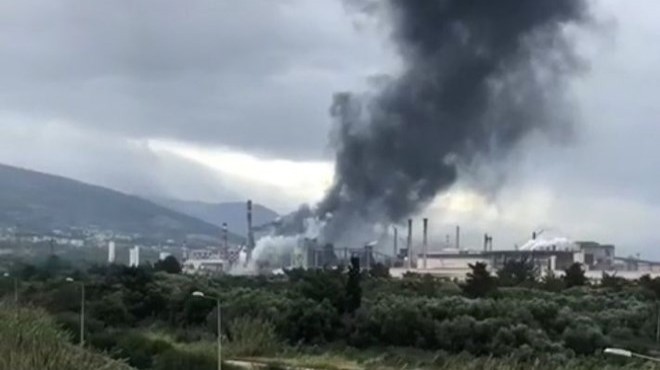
pixel 478 77
pixel 200 71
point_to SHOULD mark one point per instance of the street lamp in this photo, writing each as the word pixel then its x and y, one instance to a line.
pixel 82 310
pixel 7 275
pixel 625 353
pixel 217 310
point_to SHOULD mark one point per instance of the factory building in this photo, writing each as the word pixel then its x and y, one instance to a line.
pixel 554 254
pixel 556 257
pixel 134 256
pixel 207 266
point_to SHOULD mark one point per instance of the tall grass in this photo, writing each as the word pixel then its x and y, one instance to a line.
pixel 30 340
pixel 251 337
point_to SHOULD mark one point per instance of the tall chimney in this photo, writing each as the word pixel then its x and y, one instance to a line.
pixel 425 240
pixel 409 242
pixel 395 242
pixel 225 241
pixel 250 235
pixel 485 242
pixel 458 238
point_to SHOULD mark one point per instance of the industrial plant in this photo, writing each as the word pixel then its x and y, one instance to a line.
pixel 449 259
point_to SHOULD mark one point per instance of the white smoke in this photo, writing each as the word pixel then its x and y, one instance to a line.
pixel 541 243
pixel 277 250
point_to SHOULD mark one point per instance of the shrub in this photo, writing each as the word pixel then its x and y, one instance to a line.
pixel 252 337
pixel 187 357
pixel 583 339
pixel 170 265
pixel 140 349
pixel 479 282
pixel 31 340
pixel 516 272
pixel 574 275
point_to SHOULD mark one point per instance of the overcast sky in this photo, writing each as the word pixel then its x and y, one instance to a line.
pixel 225 99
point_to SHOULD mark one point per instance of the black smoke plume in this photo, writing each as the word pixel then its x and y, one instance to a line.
pixel 478 76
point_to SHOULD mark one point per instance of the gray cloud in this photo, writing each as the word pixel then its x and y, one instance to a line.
pixel 255 75
pixel 108 160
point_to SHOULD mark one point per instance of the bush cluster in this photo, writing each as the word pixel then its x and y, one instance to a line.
pixel 513 314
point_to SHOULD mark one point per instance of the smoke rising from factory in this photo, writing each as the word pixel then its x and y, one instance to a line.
pixel 478 77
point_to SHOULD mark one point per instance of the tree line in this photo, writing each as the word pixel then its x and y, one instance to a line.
pixel 512 312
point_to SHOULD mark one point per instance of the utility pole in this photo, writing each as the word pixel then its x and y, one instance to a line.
pixel 657 325
pixel 82 310
pixel 218 317
pixel 395 242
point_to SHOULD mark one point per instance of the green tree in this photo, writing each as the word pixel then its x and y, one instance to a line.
pixel 353 288
pixel 574 275
pixel 551 282
pixel 170 265
pixel 652 285
pixel 613 282
pixel 479 282
pixel 379 270
pixel 584 339
pixel 517 271
pixel 320 285
pixel 111 309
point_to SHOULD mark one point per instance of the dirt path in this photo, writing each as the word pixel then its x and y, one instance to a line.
pixel 263 363
pixel 255 365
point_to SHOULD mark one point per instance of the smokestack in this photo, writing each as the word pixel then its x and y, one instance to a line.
pixel 458 238
pixel 250 235
pixel 395 242
pixel 485 242
pixel 409 242
pixel 425 240
pixel 534 235
pixel 225 241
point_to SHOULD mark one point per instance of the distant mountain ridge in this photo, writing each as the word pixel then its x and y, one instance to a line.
pixel 233 213
pixel 35 200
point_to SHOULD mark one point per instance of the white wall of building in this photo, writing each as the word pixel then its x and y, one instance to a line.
pixel 451 262
pixel 134 256
pixel 111 252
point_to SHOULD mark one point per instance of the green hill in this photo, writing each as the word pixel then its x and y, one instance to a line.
pixel 36 201
pixel 233 213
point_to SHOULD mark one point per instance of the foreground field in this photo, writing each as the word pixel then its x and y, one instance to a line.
pixel 326 319
pixel 30 340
